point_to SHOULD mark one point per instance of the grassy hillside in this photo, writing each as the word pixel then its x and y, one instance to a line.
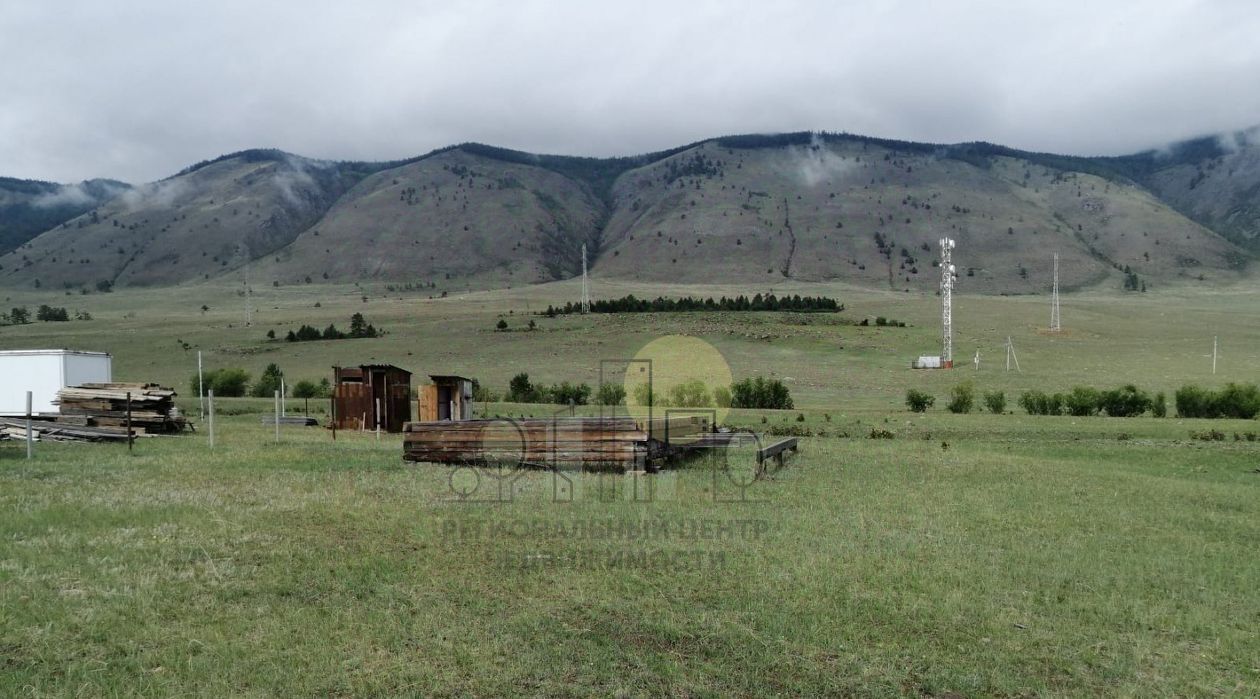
pixel 756 210
pixel 448 220
pixel 858 212
pixel 199 224
pixel 30 207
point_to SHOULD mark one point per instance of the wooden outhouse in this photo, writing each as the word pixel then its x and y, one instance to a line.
pixel 371 395
pixel 447 398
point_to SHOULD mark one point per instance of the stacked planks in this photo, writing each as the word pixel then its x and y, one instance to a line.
pixel 15 428
pixel 563 442
pixel 104 405
pixel 592 443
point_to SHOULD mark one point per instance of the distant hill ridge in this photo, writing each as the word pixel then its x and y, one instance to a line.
pixel 747 208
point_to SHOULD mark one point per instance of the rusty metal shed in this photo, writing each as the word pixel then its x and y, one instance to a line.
pixel 447 398
pixel 371 395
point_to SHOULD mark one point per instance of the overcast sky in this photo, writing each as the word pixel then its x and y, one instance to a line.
pixel 138 90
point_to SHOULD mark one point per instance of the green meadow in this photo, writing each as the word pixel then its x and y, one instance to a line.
pixel 954 556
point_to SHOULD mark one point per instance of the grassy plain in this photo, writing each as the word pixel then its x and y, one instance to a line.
pixel 971 555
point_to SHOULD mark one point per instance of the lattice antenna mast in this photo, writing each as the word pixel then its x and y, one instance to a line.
pixel 1055 323
pixel 586 284
pixel 947 302
pixel 249 310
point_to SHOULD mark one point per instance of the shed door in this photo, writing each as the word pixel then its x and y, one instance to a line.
pixel 444 402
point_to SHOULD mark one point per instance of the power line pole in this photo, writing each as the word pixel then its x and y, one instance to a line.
pixel 1010 355
pixel 947 303
pixel 1055 322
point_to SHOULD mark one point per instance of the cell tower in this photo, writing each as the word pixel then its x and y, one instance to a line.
pixel 947 303
pixel 249 306
pixel 1055 324
pixel 586 284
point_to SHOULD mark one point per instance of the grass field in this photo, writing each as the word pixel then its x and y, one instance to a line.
pixel 971 555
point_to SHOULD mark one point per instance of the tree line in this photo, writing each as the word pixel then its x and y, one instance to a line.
pixel 359 328
pixel 758 302
pixel 1236 401
pixel 234 382
pixel 758 392
pixel 21 315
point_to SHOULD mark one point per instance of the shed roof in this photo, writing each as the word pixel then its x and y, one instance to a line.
pixel 31 352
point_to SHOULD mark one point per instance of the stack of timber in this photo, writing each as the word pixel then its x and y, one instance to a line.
pixel 15 428
pixel 592 443
pixel 153 408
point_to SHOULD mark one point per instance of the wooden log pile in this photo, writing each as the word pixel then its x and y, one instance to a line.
pixel 591 443
pixel 104 405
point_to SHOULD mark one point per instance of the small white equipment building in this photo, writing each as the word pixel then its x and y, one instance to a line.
pixel 43 373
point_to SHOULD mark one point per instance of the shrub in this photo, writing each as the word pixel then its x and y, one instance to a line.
pixel 760 392
pixel 1126 401
pixel 877 433
pixel 501 325
pixel 644 395
pixel 722 396
pixel 565 393
pixel 1040 403
pixel 520 390
pixel 311 389
pixel 481 394
pixel 1159 406
pixel 919 401
pixel 962 398
pixel 995 401
pixel 690 394
pixel 226 383
pixel 1240 401
pixel 1083 401
pixel 1192 401
pixel 1208 435
pixel 610 394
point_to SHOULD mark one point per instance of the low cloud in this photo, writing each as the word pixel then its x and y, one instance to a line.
pixel 388 79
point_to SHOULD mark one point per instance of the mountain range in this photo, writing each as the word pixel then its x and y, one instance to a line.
pixel 754 209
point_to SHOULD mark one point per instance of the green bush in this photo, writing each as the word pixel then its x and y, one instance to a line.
pixel 1126 401
pixel 565 393
pixel 1083 401
pixel 919 401
pixel 610 394
pixel 226 383
pixel 722 396
pixel 995 401
pixel 1239 401
pixel 311 389
pixel 962 398
pixel 1040 403
pixel 690 394
pixel 520 390
pixel 1159 405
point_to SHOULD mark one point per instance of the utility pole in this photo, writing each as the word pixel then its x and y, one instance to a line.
pixel 1055 322
pixel 1010 355
pixel 947 301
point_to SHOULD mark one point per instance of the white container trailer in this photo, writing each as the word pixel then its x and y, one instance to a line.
pixel 43 373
